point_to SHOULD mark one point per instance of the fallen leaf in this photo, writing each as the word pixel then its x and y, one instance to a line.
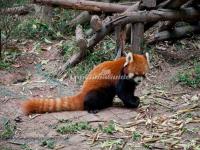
pixel 16 65
pixel 47 41
pixel 118 128
pixel 150 140
pixel 46 48
pixel 44 62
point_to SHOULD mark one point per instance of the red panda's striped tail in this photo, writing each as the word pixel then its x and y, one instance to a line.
pixel 41 105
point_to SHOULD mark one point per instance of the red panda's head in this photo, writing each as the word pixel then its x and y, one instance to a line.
pixel 136 66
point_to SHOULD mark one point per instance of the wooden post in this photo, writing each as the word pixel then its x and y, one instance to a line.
pixel 120 34
pixel 137 37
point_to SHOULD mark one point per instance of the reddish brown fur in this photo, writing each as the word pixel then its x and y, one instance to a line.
pixel 108 68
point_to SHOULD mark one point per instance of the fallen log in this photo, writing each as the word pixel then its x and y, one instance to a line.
pixel 148 4
pixel 96 23
pixel 80 19
pixel 96 38
pixel 20 10
pixel 192 3
pixel 183 14
pixel 81 42
pixel 91 6
pixel 177 33
pixel 172 5
pixel 144 16
pixel 167 25
pixel 137 7
pixel 169 4
pixel 85 16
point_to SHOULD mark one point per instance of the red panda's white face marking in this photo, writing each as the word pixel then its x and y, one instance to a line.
pixel 131 75
pixel 138 79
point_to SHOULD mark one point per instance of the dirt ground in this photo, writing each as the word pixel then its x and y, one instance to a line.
pixel 168 117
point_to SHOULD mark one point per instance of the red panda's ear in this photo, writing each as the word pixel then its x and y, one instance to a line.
pixel 129 59
pixel 147 58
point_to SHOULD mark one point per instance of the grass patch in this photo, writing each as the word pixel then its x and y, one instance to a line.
pixel 49 143
pixel 71 127
pixel 8 129
pixel 4 65
pixel 136 136
pixel 68 48
pixel 35 29
pixel 25 147
pixel 110 128
pixel 61 18
pixel 9 56
pixel 190 77
pixel 5 148
pixel 112 144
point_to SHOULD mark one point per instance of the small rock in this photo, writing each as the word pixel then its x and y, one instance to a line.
pixel 18 119
pixel 186 97
pixel 195 98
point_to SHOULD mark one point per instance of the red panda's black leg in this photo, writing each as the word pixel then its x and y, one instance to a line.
pixel 93 111
pixel 125 91
pixel 99 99
pixel 129 100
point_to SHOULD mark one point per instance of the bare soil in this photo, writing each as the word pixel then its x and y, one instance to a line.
pixel 168 117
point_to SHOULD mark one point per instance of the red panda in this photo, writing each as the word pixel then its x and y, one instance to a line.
pixel 118 77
